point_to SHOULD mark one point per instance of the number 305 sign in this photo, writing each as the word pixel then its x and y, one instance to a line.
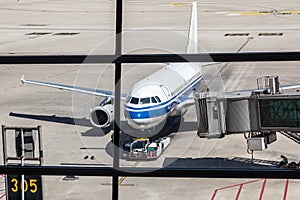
pixel 32 187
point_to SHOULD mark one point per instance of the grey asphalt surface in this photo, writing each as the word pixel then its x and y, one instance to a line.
pixel 46 27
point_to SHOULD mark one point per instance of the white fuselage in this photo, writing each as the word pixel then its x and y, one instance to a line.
pixel 161 94
pixel 164 93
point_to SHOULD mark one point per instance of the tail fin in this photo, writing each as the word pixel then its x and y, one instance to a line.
pixel 192 44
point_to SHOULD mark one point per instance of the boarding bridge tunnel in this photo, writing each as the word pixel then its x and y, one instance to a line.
pixel 258 114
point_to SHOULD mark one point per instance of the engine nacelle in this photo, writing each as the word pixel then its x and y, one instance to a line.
pixel 102 116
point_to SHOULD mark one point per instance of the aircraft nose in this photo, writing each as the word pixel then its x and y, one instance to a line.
pixel 137 119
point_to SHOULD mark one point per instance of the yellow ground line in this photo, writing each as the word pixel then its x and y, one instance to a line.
pixel 263 13
pixel 288 12
pixel 177 4
pixel 124 177
pixel 249 13
pixel 121 180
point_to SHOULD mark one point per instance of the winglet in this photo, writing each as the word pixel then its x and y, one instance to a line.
pixel 22 79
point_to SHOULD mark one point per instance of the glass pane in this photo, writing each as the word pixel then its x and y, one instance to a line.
pixel 145 100
pixel 134 100
pixel 280 112
pixel 57 27
pixel 58 187
pixel 214 189
pixel 153 100
pixel 232 137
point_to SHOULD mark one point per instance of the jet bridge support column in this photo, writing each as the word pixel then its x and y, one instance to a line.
pixel 210 115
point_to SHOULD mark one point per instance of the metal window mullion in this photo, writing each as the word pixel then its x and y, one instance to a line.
pixel 151 58
pixel 22 164
pixel 117 100
pixel 4 145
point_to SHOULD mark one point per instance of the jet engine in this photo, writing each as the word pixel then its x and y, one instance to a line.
pixel 102 116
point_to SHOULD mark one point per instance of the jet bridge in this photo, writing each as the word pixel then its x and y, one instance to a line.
pixel 258 114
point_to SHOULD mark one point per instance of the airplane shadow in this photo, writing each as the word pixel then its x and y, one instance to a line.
pixel 66 120
pixel 218 162
pixel 172 125
pixel 54 118
pixel 96 132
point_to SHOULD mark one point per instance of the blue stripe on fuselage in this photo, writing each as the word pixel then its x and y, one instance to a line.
pixel 162 108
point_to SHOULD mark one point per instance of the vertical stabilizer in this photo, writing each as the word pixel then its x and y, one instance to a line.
pixel 192 44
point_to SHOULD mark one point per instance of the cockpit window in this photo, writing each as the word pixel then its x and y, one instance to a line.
pixel 153 100
pixel 134 100
pixel 158 99
pixel 128 99
pixel 145 100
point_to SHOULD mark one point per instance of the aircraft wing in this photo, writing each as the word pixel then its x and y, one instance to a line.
pixel 292 86
pixel 92 91
pixel 284 87
pixel 190 102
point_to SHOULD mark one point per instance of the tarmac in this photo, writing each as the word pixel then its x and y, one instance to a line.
pixel 33 27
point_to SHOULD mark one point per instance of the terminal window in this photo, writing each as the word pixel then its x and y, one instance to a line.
pixel 279 112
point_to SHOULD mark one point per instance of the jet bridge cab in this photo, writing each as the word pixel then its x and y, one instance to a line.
pixel 145 106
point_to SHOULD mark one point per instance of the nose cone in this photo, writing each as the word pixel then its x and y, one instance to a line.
pixel 142 120
pixel 138 120
pixel 139 124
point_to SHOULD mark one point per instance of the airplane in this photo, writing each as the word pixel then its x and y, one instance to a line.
pixel 162 94
pixel 151 100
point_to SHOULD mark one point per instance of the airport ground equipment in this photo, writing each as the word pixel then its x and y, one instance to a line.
pixel 144 149
pixel 258 113
pixel 23 146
